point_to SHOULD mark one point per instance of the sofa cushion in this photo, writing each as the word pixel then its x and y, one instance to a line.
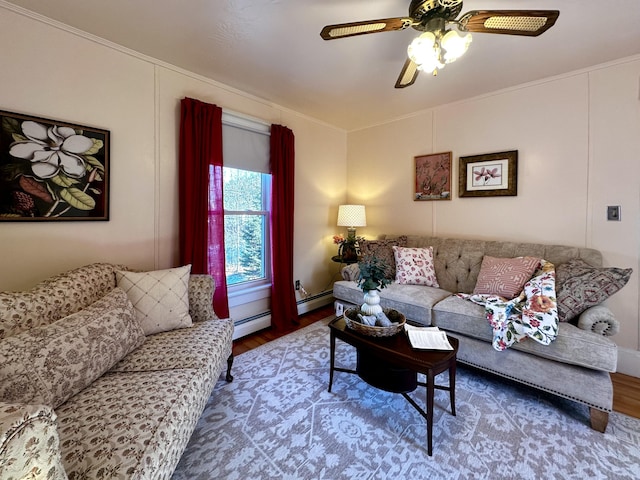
pixel 207 342
pixel 383 250
pixel 580 286
pixel 414 266
pixel 413 301
pixel 504 277
pixel 160 297
pixel 51 363
pixel 131 425
pixel 572 345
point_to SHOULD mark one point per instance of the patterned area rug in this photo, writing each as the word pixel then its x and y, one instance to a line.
pixel 276 420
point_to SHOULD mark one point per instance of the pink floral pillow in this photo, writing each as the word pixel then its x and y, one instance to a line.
pixel 504 276
pixel 414 266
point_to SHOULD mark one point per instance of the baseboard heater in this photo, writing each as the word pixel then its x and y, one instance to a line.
pixel 262 320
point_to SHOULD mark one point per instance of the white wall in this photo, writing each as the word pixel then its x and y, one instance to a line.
pixel 52 71
pixel 578 142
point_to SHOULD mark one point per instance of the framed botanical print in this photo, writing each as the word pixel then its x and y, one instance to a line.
pixel 433 177
pixel 52 170
pixel 489 175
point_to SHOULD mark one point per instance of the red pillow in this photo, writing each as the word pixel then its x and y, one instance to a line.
pixel 505 276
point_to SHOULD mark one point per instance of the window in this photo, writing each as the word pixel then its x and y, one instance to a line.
pixel 246 226
pixel 247 194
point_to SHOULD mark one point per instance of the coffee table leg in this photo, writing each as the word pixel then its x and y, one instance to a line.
pixel 430 394
pixel 452 387
pixel 333 351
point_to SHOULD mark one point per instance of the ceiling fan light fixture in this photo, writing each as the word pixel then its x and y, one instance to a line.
pixel 424 51
pixel 454 45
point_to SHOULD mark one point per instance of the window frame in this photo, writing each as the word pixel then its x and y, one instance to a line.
pixel 252 290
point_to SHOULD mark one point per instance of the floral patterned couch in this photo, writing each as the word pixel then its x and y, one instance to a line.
pixel 575 365
pixel 100 397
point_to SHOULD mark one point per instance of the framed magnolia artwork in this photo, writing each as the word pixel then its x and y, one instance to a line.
pixel 433 177
pixel 489 175
pixel 52 170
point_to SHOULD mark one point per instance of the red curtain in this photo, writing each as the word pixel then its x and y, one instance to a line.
pixel 200 195
pixel 284 312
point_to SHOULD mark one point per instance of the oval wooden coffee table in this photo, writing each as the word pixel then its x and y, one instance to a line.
pixel 391 364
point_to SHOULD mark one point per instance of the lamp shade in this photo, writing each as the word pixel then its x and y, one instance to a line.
pixel 352 216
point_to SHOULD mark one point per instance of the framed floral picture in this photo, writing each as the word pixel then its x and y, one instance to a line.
pixel 52 170
pixel 433 177
pixel 489 175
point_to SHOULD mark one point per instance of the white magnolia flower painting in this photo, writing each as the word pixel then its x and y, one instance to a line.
pixel 52 170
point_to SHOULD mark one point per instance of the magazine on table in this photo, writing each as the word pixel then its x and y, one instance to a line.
pixel 427 338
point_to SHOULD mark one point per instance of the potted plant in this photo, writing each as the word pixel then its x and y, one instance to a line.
pixel 373 278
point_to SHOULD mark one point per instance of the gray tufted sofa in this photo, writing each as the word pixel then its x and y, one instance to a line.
pixel 575 366
pixel 135 419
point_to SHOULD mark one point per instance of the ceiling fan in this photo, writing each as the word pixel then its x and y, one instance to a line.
pixel 439 44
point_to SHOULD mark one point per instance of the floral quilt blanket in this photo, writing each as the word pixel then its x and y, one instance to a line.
pixel 532 314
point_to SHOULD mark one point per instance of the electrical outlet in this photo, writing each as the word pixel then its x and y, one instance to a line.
pixel 297 284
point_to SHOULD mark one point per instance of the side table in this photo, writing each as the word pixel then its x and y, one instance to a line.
pixel 339 259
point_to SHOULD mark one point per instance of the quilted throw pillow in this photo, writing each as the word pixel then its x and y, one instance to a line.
pixel 504 277
pixel 51 363
pixel 383 250
pixel 580 286
pixel 414 266
pixel 160 297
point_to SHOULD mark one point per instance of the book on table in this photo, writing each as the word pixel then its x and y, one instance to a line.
pixel 427 338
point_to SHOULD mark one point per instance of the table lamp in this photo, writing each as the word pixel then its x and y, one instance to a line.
pixel 351 216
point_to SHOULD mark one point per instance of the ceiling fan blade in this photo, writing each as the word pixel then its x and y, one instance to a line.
pixel 342 30
pixel 408 74
pixel 509 22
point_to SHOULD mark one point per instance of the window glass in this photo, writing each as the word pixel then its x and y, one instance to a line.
pixel 246 196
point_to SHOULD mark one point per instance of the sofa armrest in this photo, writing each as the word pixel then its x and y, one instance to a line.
pixel 201 289
pixel 29 443
pixel 351 272
pixel 600 320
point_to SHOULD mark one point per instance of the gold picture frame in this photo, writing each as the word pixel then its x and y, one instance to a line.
pixel 489 175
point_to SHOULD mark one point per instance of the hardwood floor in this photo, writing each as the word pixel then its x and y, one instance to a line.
pixel 626 389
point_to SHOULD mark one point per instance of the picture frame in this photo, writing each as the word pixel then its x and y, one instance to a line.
pixel 432 177
pixel 489 175
pixel 52 170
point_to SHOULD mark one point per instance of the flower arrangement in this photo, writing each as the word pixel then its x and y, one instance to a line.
pixel 348 247
pixel 373 274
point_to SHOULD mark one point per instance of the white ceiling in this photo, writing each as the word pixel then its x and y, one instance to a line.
pixel 272 48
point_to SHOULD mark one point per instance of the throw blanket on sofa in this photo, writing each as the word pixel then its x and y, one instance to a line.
pixel 532 314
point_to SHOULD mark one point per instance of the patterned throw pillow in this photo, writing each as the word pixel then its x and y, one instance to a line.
pixel 51 363
pixel 504 277
pixel 414 266
pixel 161 297
pixel 383 250
pixel 580 286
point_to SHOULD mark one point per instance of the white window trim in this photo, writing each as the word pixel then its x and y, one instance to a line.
pixel 242 121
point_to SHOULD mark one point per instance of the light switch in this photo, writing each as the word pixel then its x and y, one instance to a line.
pixel 613 213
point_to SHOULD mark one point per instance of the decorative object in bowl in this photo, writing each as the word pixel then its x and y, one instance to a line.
pixel 352 321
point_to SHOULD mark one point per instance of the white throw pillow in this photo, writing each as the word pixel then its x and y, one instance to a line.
pixel 161 297
pixel 414 266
